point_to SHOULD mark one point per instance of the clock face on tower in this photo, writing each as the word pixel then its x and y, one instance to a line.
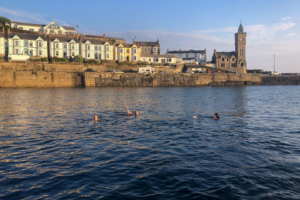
pixel 242 39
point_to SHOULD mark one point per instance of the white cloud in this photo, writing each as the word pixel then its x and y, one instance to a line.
pixel 286 18
pixel 291 34
pixel 21 16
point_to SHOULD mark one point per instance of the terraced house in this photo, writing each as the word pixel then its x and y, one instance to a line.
pixel 148 48
pixel 2 44
pixel 127 52
pixel 64 47
pixel 52 28
pixel 97 49
pixel 27 44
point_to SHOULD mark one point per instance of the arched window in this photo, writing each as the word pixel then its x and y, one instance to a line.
pixel 242 65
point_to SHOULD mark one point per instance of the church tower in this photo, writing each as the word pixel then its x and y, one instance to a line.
pixel 240 47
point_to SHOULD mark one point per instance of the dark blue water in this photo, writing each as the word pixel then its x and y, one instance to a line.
pixel 50 147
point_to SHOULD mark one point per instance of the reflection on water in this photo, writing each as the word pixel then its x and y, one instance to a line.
pixel 50 147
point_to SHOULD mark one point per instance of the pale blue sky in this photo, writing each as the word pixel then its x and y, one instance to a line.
pixel 272 26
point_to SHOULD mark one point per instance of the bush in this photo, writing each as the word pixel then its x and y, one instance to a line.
pixel 44 59
pixel 2 57
pixel 127 63
pixel 91 61
pixel 143 63
pixel 60 59
pixel 37 59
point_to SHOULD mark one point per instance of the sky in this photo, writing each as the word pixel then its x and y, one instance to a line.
pixel 272 26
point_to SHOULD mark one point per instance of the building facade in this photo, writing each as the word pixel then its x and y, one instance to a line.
pixel 64 47
pixel 148 48
pixel 52 28
pixel 27 44
pixel 97 49
pixel 234 60
pixel 171 59
pixel 127 52
pixel 2 44
pixel 190 56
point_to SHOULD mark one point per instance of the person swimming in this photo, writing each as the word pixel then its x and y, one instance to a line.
pixel 96 118
pixel 216 116
pixel 130 113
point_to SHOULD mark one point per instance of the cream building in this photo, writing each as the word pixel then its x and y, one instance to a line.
pixel 97 49
pixel 2 44
pixel 190 56
pixel 127 52
pixel 52 28
pixel 172 59
pixel 27 44
pixel 64 47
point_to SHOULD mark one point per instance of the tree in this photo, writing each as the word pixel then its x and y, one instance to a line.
pixel 3 20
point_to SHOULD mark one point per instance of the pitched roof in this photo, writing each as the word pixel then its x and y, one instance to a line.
pixel 69 28
pixel 27 36
pixel 31 24
pixel 94 36
pixel 188 51
pixel 127 45
pixel 188 58
pixel 226 54
pixel 64 39
pixel 93 41
pixel 146 43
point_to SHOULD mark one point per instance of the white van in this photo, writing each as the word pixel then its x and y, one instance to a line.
pixel 146 70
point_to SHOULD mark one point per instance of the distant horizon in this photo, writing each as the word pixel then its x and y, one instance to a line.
pixel 272 27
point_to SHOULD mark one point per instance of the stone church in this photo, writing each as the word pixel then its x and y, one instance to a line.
pixel 234 60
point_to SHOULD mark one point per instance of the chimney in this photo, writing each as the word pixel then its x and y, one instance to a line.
pixel 110 39
pixel 157 40
pixel 138 43
pixel 167 50
pixel 77 36
pixel 133 41
pixel 180 50
pixel 104 35
pixel 215 51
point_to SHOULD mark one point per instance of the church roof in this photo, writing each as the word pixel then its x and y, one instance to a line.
pixel 241 29
pixel 227 54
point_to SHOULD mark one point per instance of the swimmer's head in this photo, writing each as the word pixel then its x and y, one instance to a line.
pixel 95 117
pixel 136 113
pixel 195 117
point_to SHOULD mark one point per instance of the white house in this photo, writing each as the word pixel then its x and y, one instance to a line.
pixel 2 44
pixel 172 59
pixel 27 44
pixel 190 56
pixel 97 49
pixel 64 47
pixel 52 28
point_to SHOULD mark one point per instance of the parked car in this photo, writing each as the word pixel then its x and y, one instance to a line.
pixel 90 70
pixel 117 71
pixel 275 73
pixel 189 72
pixel 162 72
pixel 231 72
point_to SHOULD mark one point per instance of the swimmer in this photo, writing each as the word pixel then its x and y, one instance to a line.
pixel 130 113
pixel 96 118
pixel 216 116
pixel 195 117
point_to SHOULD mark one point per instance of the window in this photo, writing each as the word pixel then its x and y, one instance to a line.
pixel 73 46
pixel 134 57
pixel 232 64
pixel 107 55
pixel 59 32
pixel 149 59
pixel 187 55
pixel 56 45
pixel 222 59
pixel 51 31
pixel 227 59
pixel 54 26
pixel 73 53
pixel 26 43
pixel 31 53
pixel 26 51
pixel 170 60
pixel 195 55
pixel 100 48
pixel 31 29
pixel 107 48
pixel 121 58
pixel 222 64
pixel 242 52
pixel 40 53
pixel 127 50
pixel 96 48
pixel 134 50
pixel 156 60
pixel 21 28
pixel 96 55
pixel 145 49
pixel 121 50
pixel 154 49
pixel 144 59
pixel 88 55
pixel 30 44
pixel 65 45
pixel 17 51
pixel 56 53
pixel 17 43
pixel 40 44
pixel 232 59
pixel 88 47
pixel 148 49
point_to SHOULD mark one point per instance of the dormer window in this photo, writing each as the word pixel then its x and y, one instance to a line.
pixel 232 59
pixel 56 26
pixel 134 50
pixel 107 48
pixel 154 49
pixel 73 46
pixel 26 43
pixel 40 44
pixel 56 46
pixel 17 43
pixel 121 50
pixel 96 48
pixel 65 45
pixel 88 47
